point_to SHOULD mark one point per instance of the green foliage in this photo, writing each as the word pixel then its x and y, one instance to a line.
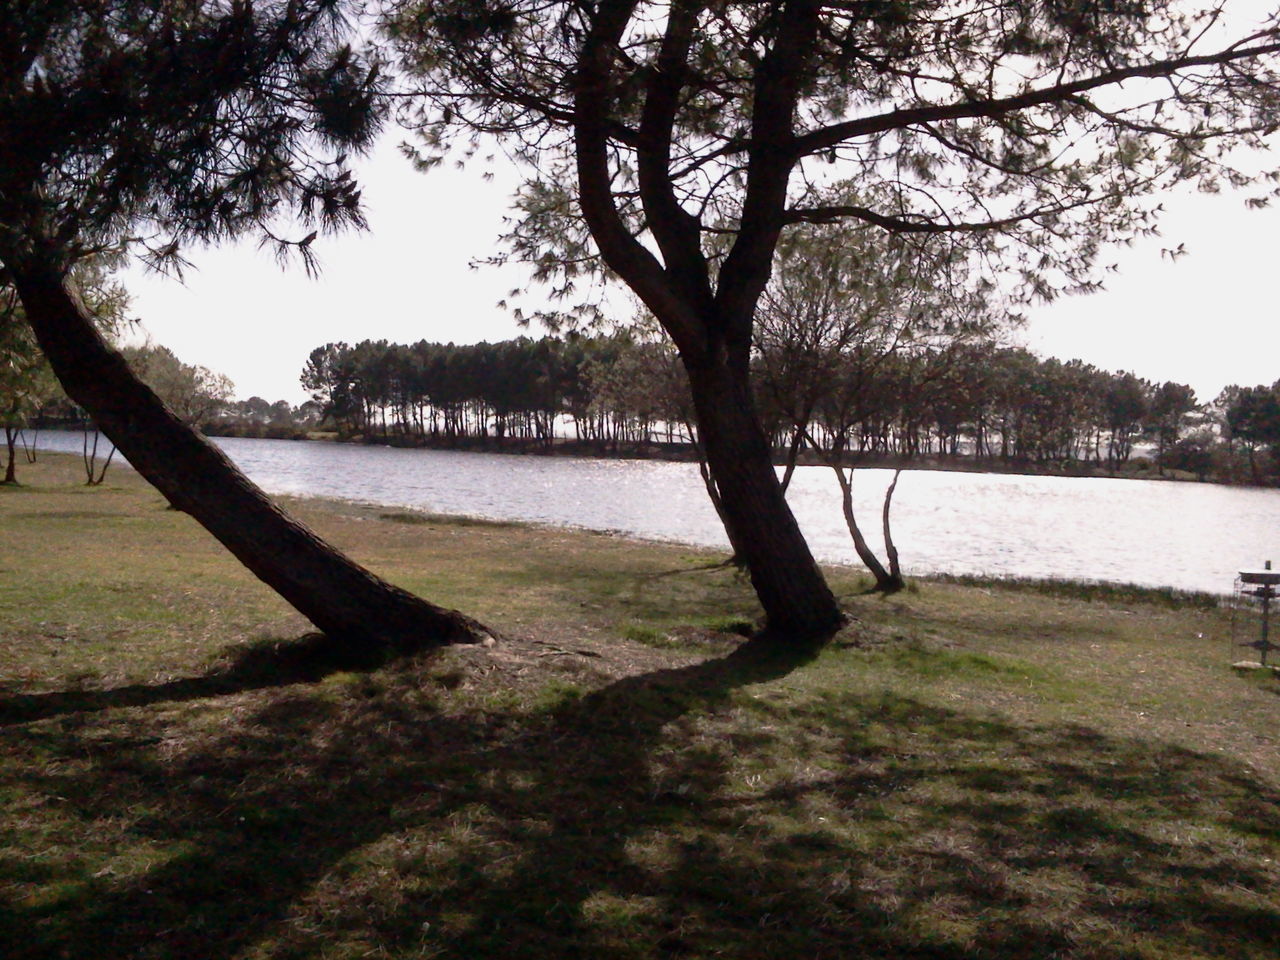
pixel 25 379
pixel 28 387
pixel 259 418
pixel 194 393
pixel 616 390
pixel 1198 454
pixel 1250 419
pixel 973 119
pixel 1125 401
pixel 893 386
pixel 1254 415
pixel 845 317
pixel 159 124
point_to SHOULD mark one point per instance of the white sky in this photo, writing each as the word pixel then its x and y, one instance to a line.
pixel 405 279
pixel 1208 319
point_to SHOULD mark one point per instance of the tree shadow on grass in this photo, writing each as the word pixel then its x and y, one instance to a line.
pixel 257 666
pixel 676 813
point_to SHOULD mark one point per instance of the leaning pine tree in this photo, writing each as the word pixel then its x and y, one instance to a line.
pixel 149 125
pixel 676 142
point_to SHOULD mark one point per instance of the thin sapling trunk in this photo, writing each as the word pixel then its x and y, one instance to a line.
pixel 887 581
pixel 10 439
pixel 89 456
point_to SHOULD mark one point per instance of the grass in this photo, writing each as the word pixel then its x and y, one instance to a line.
pixel 967 771
pixel 1092 590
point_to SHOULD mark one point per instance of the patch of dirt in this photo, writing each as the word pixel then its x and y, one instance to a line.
pixel 552 653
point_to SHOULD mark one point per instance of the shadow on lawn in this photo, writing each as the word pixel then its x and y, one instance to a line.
pixel 616 824
pixel 258 666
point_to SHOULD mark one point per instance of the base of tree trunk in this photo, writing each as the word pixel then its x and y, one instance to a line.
pixel 798 604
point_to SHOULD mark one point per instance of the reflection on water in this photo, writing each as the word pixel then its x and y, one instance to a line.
pixel 1186 535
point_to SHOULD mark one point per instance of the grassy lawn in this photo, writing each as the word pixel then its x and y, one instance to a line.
pixel 966 771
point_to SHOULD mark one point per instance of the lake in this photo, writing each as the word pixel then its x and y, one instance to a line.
pixel 1186 535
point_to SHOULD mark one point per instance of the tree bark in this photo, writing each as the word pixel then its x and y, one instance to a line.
pixel 345 601
pixel 896 581
pixel 10 438
pixel 795 596
pixel 884 581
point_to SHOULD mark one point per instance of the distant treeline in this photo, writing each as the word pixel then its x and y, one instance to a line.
pixel 602 390
pixel 995 405
pixel 261 419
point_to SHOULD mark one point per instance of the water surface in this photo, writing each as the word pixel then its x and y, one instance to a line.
pixel 1185 535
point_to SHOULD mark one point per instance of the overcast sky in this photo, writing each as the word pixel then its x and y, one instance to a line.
pixel 1209 319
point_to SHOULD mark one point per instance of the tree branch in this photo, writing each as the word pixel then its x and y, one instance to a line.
pixel 676 231
pixel 897 224
pixel 777 82
pixel 827 137
pixel 626 256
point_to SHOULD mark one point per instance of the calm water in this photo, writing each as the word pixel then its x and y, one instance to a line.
pixel 1187 535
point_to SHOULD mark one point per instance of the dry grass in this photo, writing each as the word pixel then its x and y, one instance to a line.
pixel 967 771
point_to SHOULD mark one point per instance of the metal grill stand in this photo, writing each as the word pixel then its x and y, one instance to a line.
pixel 1260 586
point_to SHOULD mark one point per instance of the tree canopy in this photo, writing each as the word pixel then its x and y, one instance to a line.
pixel 162 124
pixel 675 144
pixel 697 132
pixel 194 392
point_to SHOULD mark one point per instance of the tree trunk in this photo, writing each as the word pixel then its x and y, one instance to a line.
pixel 896 581
pixel 93 477
pixel 886 582
pixel 341 598
pixel 30 451
pixel 796 599
pixel 793 453
pixel 10 439
pixel 713 493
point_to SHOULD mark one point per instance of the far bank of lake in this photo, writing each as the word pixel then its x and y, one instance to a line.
pixel 1140 466
pixel 1184 535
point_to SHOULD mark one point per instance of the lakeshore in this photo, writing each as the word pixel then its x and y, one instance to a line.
pixel 1141 466
pixel 967 770
pixel 1138 468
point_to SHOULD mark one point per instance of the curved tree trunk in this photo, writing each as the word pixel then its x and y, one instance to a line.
pixel 896 582
pixel 30 451
pixel 713 493
pixel 93 476
pixel 764 533
pixel 340 597
pixel 793 452
pixel 885 581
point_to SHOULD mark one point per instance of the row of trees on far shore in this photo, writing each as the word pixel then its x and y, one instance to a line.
pixel 975 401
pixel 980 401
pixel 611 390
